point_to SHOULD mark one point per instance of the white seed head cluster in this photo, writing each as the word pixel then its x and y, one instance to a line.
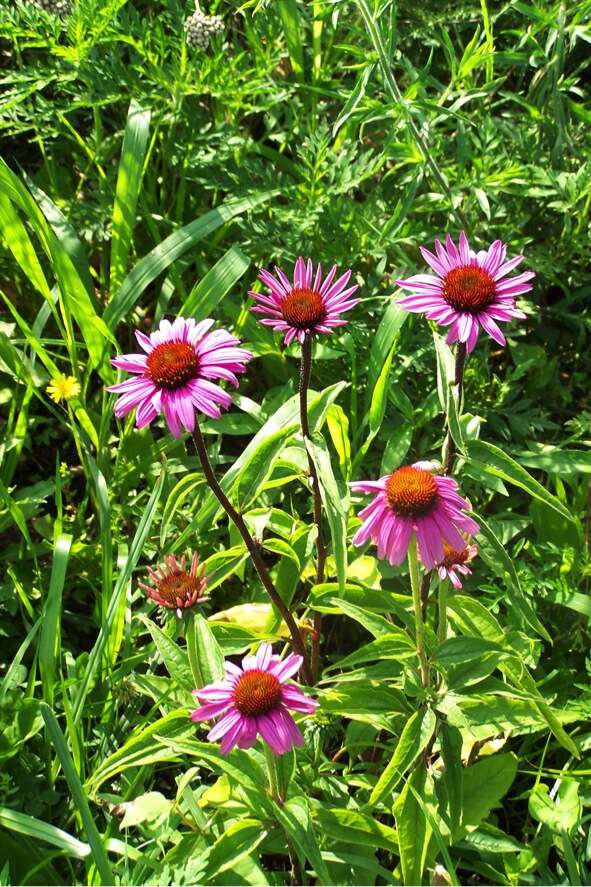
pixel 57 7
pixel 201 28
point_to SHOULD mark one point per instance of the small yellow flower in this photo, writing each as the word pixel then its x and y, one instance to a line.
pixel 63 388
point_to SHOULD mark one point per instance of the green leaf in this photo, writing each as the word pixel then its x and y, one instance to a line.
pixel 135 552
pixel 351 827
pixel 205 656
pixel 259 466
pixel 18 241
pixel 561 813
pixel 417 732
pixel 148 807
pixel 174 246
pixel 50 639
pixel 355 96
pixel 219 280
pixel 377 625
pixel 336 505
pixel 450 740
pixel 485 784
pixel 145 745
pixel 411 826
pixel 293 28
pixel 64 232
pixel 383 341
pixel 522 679
pixel 73 292
pixel 222 564
pixel 241 769
pixel 78 795
pixel 492 460
pixel 455 651
pixel 43 831
pixel 129 177
pixel 395 645
pixel 174 657
pixel 176 499
pixel 318 404
pixel 338 427
pixel 237 840
pixel 501 563
pixel 294 817
pixel 379 397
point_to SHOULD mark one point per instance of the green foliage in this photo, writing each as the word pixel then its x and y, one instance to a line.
pixel 352 131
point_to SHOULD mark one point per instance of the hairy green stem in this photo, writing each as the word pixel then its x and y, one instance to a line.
pixel 253 548
pixel 450 446
pixel 415 584
pixel 305 372
pixel 442 611
pixel 274 786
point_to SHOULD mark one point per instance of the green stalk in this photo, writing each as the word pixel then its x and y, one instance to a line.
pixel 274 782
pixel 415 584
pixel 442 611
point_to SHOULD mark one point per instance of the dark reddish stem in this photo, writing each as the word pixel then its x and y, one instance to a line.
pixel 305 372
pixel 254 551
pixel 451 451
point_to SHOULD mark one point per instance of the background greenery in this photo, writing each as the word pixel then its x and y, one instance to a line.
pixel 283 138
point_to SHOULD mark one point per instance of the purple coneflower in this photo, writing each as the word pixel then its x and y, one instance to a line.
pixel 255 699
pixel 469 290
pixel 454 562
pixel 173 586
pixel 413 500
pixel 310 304
pixel 174 375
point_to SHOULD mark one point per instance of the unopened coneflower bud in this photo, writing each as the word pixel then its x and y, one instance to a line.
pixel 174 586
pixel 200 28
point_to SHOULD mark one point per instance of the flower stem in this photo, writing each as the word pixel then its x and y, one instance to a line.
pixel 274 787
pixel 442 611
pixel 253 548
pixel 415 584
pixel 450 446
pixel 305 371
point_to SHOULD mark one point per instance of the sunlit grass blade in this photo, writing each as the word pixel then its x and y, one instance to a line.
pixel 218 281
pixel 174 246
pixel 129 178
pixel 135 552
pixel 50 640
pixel 43 831
pixel 79 797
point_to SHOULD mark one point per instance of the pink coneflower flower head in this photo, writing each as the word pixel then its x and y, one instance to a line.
pixel 255 699
pixel 174 586
pixel 414 500
pixel 454 562
pixel 174 374
pixel 309 304
pixel 469 290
